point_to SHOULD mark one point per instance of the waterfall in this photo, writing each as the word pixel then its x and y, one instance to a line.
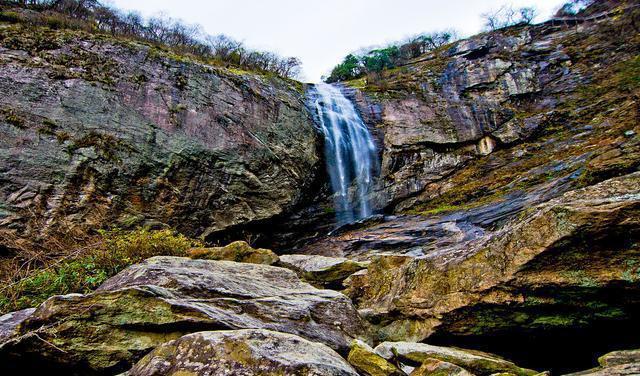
pixel 350 152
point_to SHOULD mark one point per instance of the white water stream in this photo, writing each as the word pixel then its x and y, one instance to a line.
pixel 350 152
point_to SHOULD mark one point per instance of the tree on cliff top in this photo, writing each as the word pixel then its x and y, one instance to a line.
pixel 508 16
pixel 376 60
pixel 93 16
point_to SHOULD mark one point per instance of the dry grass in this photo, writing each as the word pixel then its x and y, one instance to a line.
pixel 37 274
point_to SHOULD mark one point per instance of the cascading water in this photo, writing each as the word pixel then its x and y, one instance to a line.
pixel 350 152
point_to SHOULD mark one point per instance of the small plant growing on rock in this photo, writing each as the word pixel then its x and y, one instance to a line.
pixel 12 118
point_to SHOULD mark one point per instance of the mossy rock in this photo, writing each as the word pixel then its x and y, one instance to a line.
pixel 365 360
pixel 238 251
pixel 242 352
pixel 477 362
pixel 435 367
pixel 321 270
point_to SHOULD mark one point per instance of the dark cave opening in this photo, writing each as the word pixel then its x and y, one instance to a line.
pixel 559 351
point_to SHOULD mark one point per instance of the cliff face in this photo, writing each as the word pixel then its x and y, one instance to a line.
pixel 510 191
pixel 96 131
pixel 532 97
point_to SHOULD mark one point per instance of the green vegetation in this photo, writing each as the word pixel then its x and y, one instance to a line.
pixel 12 118
pixel 92 16
pixel 375 61
pixel 115 250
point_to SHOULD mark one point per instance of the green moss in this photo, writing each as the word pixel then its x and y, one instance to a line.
pixel 177 108
pixel 48 128
pixel 10 16
pixel 556 321
pixel 11 117
pixel 181 81
pixel 441 208
pixel 139 79
pixel 360 83
pixel 632 271
pixel 105 145
pixel 328 209
pixel 580 277
pixel 369 362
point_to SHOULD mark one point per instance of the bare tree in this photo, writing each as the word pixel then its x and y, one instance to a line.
pixel 527 14
pixel 508 16
pixel 91 15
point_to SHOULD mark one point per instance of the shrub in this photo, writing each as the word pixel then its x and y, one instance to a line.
pixel 93 16
pixel 374 61
pixel 116 250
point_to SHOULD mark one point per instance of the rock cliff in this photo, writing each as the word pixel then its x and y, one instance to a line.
pixel 97 131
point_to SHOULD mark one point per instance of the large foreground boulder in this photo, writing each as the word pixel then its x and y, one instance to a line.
pixel 164 298
pixel 242 353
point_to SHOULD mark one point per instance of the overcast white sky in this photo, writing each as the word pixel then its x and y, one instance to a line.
pixel 322 32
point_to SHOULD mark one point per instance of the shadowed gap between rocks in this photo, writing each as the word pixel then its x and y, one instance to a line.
pixel 557 350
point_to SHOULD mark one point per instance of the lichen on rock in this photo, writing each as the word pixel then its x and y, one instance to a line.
pixel 238 251
pixel 243 353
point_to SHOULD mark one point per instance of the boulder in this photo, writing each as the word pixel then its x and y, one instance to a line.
pixel 476 362
pixel 242 353
pixel 238 251
pixel 435 367
pixel 321 270
pixel 164 298
pixel 10 321
pixel 616 358
pixel 562 264
pixel 365 360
